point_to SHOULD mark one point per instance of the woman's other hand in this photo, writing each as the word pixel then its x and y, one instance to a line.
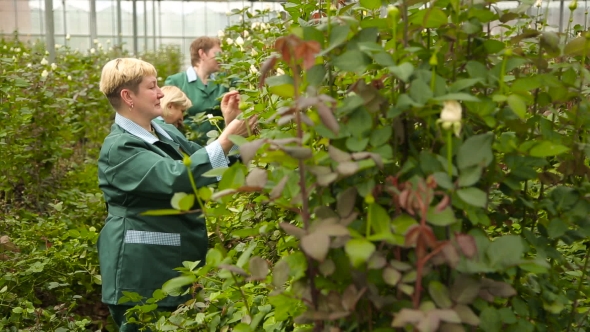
pixel 230 106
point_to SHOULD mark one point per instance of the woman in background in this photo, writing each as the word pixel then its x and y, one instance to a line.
pixel 196 82
pixel 174 104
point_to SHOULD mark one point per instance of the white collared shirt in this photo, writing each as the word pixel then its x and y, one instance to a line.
pixel 216 156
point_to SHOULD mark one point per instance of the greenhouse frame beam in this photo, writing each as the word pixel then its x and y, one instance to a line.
pixel 135 46
pixel 15 4
pixel 92 22
pixel 119 24
pixel 145 27
pixel 49 30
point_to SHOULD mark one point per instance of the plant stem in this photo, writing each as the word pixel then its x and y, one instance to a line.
pixel 242 292
pixel 450 154
pixel 580 282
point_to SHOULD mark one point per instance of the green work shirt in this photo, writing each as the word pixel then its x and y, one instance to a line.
pixel 138 172
pixel 204 99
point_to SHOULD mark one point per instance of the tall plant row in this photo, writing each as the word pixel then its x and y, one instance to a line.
pixel 415 172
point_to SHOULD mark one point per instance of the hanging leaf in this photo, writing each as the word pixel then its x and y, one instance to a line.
pixel 391 276
pixel 439 294
pixel 182 201
pixel 547 149
pixel 257 178
pixel 248 150
pixel 517 105
pixel 293 230
pixel 476 150
pixel 258 268
pixel 316 245
pixel 346 201
pixel 327 117
pixel 473 196
pixel 347 168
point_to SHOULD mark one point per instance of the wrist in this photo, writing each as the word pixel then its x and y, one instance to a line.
pixel 225 143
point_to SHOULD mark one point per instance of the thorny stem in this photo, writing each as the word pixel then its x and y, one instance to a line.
pixel 303 189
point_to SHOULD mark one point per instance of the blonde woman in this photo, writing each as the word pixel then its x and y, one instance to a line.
pixel 140 167
pixel 174 104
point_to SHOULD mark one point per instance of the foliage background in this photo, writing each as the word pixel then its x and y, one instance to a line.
pixel 357 206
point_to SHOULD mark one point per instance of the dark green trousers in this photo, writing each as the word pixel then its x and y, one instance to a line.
pixel 118 314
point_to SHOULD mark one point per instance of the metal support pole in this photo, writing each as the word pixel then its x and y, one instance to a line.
pixel 145 29
pixel 154 23
pixel 92 22
pixel 15 3
pixel 135 47
pixel 49 30
pixel 65 18
pixel 159 23
pixel 119 25
pixel 561 10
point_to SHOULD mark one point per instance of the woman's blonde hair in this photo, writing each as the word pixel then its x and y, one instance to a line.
pixel 123 73
pixel 174 96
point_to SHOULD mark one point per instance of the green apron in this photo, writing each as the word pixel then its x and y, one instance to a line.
pixel 204 99
pixel 138 253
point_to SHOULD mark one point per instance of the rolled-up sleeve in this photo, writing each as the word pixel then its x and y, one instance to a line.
pixel 216 156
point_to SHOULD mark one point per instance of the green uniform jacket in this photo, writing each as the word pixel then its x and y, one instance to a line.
pixel 204 99
pixel 138 253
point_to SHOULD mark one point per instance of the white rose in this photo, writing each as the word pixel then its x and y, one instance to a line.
pixel 17 50
pixel 253 69
pixel 229 41
pixel 451 112
pixel 92 51
pixel 220 34
pixel 44 61
pixel 253 53
pixel 44 73
pixel 29 65
pixel 69 78
pixel 539 3
pixel 239 41
pixel 95 41
pixel 266 31
pixel 53 66
pixel 57 46
pixel 68 36
pixel 280 71
pixel 451 115
pixel 246 33
pixel 210 116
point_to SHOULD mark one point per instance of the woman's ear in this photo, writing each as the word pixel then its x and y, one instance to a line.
pixel 126 97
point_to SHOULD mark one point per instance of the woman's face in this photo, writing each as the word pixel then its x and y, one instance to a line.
pixel 147 99
pixel 175 115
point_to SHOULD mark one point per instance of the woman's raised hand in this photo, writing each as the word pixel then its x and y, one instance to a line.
pixel 230 106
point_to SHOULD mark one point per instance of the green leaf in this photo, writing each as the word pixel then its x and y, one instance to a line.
pixel 162 212
pixel 547 149
pixel 281 86
pixel 174 285
pixel 420 91
pixel 182 201
pixel 505 251
pixel 371 4
pixel 443 218
pixel 439 294
pixel 557 228
pixel 434 17
pixel 403 71
pixel 517 105
pixel 464 84
pixel 470 175
pixel 316 74
pixel 476 150
pixel 338 35
pixel 391 276
pixel 379 219
pixel 457 96
pixel 352 60
pixel 577 46
pixel 242 327
pixel 245 256
pixel 490 320
pixel 359 251
pixel 473 196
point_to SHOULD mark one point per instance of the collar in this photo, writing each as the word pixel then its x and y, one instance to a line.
pixel 191 75
pixel 136 130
